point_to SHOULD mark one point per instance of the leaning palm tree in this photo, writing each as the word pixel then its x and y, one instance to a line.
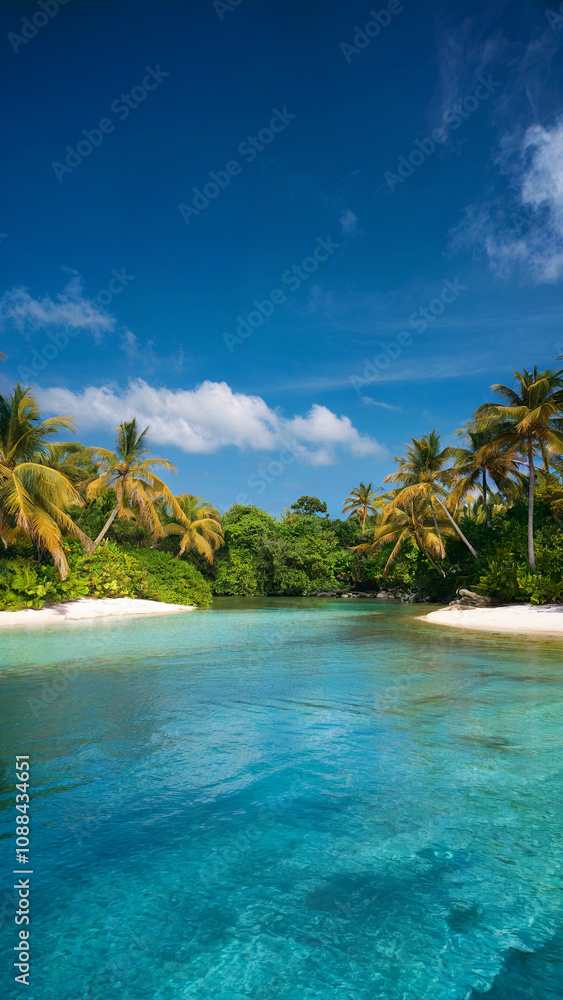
pixel 533 414
pixel 198 527
pixel 34 497
pixel 360 503
pixel 130 473
pixel 411 521
pixel 422 473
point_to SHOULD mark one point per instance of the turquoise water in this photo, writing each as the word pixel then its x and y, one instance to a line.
pixel 286 798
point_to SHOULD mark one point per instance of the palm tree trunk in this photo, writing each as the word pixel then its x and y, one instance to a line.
pixel 425 554
pixel 532 474
pixel 436 526
pixel 106 527
pixel 432 563
pixel 364 520
pixel 457 527
pixel 484 492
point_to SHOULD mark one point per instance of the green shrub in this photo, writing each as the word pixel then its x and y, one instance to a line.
pixel 302 563
pixel 21 585
pixel 111 571
pixel 174 581
pixel 539 588
pixel 234 576
pixel 500 578
pixel 504 570
pixel 108 572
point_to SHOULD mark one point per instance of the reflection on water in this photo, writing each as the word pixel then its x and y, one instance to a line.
pixel 288 798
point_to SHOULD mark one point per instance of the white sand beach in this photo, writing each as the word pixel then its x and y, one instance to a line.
pixel 87 608
pixel 515 618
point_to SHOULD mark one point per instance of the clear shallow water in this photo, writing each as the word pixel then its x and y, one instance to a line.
pixel 290 799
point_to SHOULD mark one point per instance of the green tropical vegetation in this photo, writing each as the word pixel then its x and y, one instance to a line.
pixel 34 494
pixel 532 416
pixel 198 527
pixel 129 472
pixel 361 503
pixel 486 515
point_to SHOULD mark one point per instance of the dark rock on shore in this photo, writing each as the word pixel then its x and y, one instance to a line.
pixel 467 599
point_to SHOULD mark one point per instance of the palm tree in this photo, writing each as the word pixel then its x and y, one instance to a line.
pixel 489 452
pixel 410 520
pixel 198 527
pixel 129 472
pixel 474 510
pixel 289 516
pixel 422 473
pixel 532 414
pixel 34 496
pixel 360 502
pixel 75 462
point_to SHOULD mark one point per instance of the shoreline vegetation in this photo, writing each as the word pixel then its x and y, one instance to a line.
pixel 486 515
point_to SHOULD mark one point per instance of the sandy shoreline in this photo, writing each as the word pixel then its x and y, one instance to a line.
pixel 88 608
pixel 514 618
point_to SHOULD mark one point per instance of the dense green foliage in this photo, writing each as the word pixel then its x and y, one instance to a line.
pixel 311 555
pixel 314 554
pixel 264 556
pixel 111 571
pixel 504 571
pixel 174 581
pixel 308 556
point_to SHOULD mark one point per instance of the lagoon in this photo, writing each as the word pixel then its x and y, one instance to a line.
pixel 289 798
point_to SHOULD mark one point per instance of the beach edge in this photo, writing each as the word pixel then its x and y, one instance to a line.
pixel 514 619
pixel 89 609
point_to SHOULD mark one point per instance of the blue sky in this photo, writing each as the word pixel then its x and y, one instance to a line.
pixel 371 230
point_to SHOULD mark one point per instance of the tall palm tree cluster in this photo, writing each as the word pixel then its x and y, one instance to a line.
pixel 41 479
pixel 434 487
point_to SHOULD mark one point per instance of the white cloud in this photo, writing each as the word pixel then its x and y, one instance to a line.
pixel 70 308
pixel 348 222
pixel 210 417
pixel 532 244
pixel 322 427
